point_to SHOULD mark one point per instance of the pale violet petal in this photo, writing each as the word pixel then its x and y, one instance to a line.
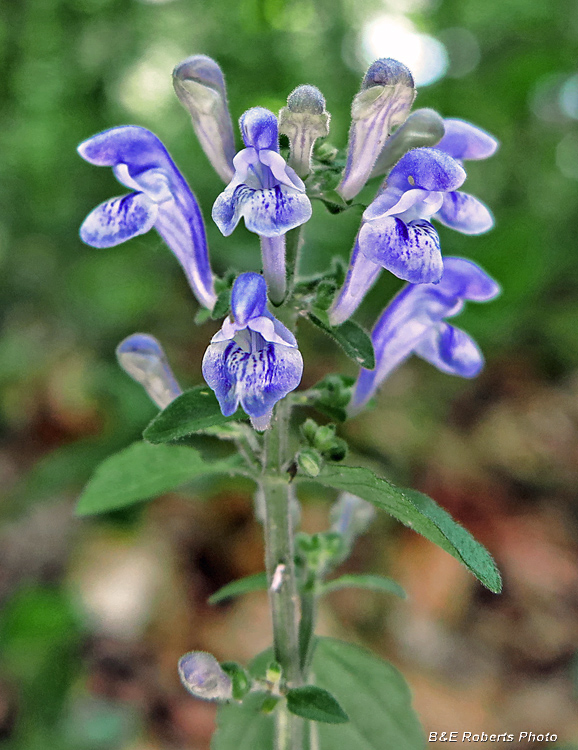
pixel 200 85
pixel 142 357
pixel 464 213
pixel 361 276
pixel 384 101
pixel 462 140
pixel 281 172
pixel 451 350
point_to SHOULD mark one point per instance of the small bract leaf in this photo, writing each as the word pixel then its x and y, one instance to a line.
pixel 257 582
pixel 420 513
pixel 193 411
pixel 143 471
pixel 350 336
pixel 316 704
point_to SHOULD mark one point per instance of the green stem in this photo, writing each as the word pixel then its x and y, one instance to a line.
pixel 280 564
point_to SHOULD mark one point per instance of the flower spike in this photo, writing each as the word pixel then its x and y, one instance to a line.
pixel 253 360
pixel 414 323
pixel 386 96
pixel 303 121
pixel 161 199
pixel 142 357
pixel 200 85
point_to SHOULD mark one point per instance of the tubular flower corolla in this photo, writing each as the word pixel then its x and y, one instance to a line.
pixel 414 323
pixel 253 360
pixel 161 199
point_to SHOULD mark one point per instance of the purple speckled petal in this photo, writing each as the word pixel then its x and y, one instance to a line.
pixel 462 140
pixel 410 251
pixel 256 379
pixel 465 213
pixel 118 220
pixel 269 212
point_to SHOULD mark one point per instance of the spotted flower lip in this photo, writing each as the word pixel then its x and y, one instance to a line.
pixel 253 360
pixel 161 199
pixel 266 192
pixel 415 323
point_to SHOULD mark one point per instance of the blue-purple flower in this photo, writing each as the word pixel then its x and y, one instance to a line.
pixel 415 323
pixel 396 232
pixel 264 190
pixel 253 360
pixel 161 199
pixel 267 193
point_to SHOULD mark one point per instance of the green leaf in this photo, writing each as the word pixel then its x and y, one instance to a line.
pixel 316 704
pixel 350 336
pixel 191 412
pixel 372 693
pixel 257 582
pixel 331 395
pixel 244 727
pixel 365 581
pixel 420 513
pixel 143 471
pixel 222 305
pixel 239 677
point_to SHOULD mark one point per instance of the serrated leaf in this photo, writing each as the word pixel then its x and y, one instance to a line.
pixel 350 336
pixel 364 581
pixel 371 691
pixel 419 512
pixel 257 582
pixel 192 411
pixel 316 704
pixel 143 471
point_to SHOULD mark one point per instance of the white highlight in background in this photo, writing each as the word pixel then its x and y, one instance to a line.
pixel 396 37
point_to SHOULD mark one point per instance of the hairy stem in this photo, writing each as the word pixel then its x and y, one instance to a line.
pixel 279 554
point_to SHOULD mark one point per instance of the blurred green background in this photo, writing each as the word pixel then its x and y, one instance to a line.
pixel 86 654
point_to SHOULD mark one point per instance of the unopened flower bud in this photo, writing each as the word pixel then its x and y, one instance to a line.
pixel 204 678
pixel 386 96
pixel 142 357
pixel 424 127
pixel 200 85
pixel 310 462
pixel 303 121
